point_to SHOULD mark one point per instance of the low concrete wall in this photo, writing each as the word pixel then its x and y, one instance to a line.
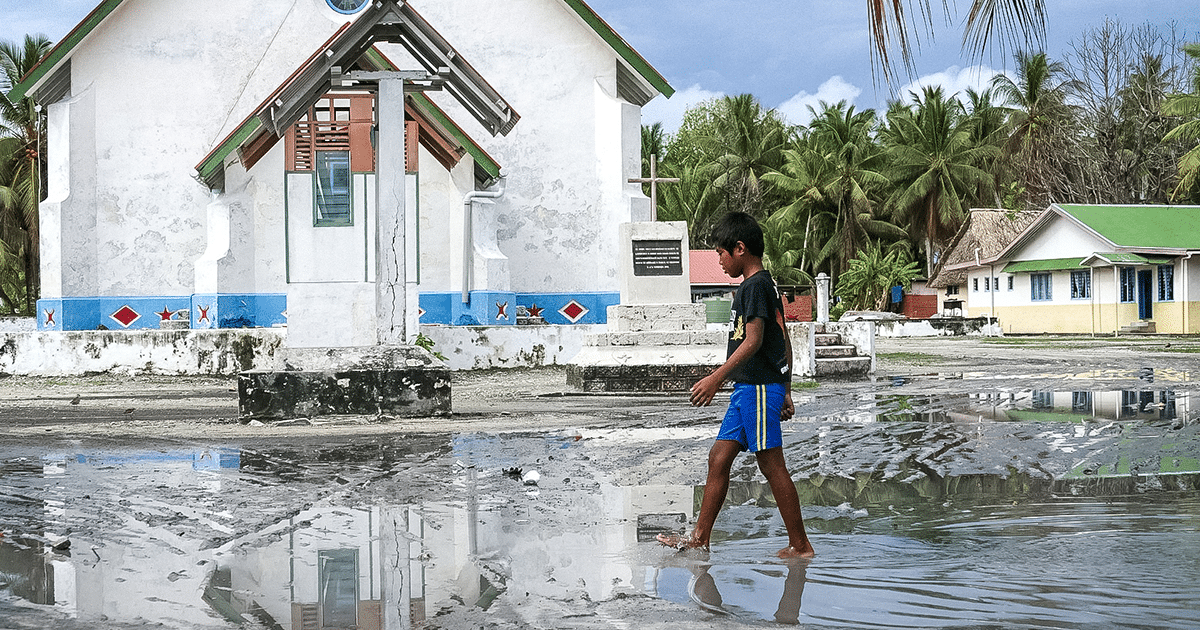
pixel 938 327
pixel 860 334
pixel 213 352
pixel 486 347
pixel 230 351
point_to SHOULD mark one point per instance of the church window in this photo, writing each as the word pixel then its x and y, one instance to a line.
pixel 346 6
pixel 332 188
pixel 332 141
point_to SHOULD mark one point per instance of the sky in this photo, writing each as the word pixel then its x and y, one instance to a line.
pixel 788 53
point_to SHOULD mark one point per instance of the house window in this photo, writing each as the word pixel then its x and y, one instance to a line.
pixel 975 284
pixel 1081 402
pixel 987 284
pixel 995 283
pixel 1128 284
pixel 331 188
pixel 1039 287
pixel 952 289
pixel 1010 283
pixel 1081 285
pixel 1166 283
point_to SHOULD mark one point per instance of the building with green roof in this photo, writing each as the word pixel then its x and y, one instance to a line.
pixel 1098 269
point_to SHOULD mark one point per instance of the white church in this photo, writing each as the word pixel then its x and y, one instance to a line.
pixel 238 164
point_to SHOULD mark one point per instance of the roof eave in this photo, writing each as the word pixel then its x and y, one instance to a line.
pixel 631 57
pixel 62 50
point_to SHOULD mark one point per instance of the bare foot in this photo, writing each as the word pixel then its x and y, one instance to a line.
pixel 681 542
pixel 792 552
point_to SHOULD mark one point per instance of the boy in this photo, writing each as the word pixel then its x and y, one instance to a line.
pixel 760 365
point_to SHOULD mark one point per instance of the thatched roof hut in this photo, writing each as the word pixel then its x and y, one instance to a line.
pixel 989 230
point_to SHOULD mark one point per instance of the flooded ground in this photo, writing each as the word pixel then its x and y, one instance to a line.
pixel 1048 486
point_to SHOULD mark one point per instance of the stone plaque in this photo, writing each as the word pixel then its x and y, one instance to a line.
pixel 657 258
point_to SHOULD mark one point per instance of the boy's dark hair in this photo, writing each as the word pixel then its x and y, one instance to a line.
pixel 739 226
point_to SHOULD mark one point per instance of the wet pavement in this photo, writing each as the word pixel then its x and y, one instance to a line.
pixel 1030 483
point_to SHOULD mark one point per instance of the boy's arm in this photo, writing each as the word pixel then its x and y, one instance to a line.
pixel 789 408
pixel 704 389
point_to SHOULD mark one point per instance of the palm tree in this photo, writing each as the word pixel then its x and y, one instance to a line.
pixel 1021 22
pixel 21 167
pixel 1039 141
pixel 747 143
pixel 1188 107
pixel 935 166
pixel 693 199
pixel 853 164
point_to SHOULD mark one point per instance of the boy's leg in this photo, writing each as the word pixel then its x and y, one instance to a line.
pixel 773 466
pixel 720 460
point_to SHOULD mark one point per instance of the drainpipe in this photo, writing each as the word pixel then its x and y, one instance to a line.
pixel 469 232
pixel 1094 289
pixel 1187 294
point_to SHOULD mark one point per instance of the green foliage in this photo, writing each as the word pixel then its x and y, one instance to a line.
pixel 867 282
pixel 22 179
pixel 427 344
pixel 1187 108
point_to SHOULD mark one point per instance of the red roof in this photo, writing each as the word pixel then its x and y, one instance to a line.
pixel 706 269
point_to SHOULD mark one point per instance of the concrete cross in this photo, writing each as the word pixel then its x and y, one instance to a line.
pixel 653 180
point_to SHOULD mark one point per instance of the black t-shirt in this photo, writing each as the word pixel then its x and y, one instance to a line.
pixel 758 297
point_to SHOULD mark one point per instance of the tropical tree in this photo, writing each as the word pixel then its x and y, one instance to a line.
pixel 1020 23
pixel 936 167
pixel 1187 107
pixel 1040 140
pixel 853 165
pixel 21 174
pixel 866 284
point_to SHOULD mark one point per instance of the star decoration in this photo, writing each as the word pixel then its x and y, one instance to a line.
pixel 49 316
pixel 203 313
pixel 501 310
pixel 165 314
pixel 535 311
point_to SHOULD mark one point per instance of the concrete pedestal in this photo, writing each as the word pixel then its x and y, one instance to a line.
pixel 402 381
pixel 649 348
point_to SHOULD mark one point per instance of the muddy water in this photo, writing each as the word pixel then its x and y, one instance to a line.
pixel 1021 509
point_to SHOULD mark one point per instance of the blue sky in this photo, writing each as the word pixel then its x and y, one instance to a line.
pixel 788 53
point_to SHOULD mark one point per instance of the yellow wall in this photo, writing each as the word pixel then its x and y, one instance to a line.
pixel 1078 318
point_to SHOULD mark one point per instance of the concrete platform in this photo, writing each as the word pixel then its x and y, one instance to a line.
pixel 399 382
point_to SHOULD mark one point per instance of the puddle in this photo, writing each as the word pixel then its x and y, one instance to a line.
pixel 931 514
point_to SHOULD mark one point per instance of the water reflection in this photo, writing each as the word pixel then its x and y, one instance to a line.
pixel 340 537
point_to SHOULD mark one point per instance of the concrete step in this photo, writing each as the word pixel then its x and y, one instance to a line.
pixel 845 367
pixel 827 339
pixel 835 352
pixel 1139 327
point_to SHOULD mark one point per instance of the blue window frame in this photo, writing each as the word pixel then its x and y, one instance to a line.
pixel 1166 283
pixel 1081 285
pixel 1128 284
pixel 332 188
pixel 1039 287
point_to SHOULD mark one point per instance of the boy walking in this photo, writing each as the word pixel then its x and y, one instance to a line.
pixel 760 365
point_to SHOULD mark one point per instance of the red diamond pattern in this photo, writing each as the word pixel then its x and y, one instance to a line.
pixel 573 311
pixel 126 316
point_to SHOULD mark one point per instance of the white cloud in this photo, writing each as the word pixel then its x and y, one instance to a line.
pixel 795 109
pixel 953 80
pixel 669 111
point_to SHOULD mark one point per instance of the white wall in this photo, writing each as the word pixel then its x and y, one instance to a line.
pixel 565 196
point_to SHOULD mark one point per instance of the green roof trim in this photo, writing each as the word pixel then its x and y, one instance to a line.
pixel 1130 258
pixel 1055 264
pixel 63 48
pixel 622 48
pixel 216 159
pixel 1169 227
pixel 482 159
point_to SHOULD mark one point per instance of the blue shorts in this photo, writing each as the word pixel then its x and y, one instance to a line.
pixel 753 416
